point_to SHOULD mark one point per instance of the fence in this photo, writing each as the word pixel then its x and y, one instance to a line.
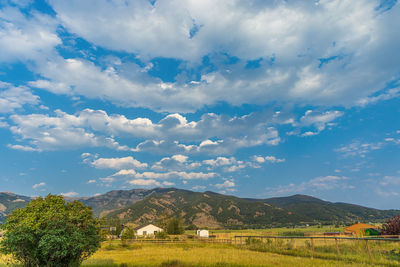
pixel 325 244
pixel 382 251
pixel 181 241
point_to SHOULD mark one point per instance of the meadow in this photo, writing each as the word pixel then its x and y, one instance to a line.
pixel 179 251
pixel 250 251
pixel 199 255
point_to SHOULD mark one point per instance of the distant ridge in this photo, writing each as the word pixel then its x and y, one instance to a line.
pixel 210 209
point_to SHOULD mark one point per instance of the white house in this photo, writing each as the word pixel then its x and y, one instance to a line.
pixel 148 229
pixel 202 233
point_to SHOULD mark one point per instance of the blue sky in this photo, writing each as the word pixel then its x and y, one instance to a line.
pixel 251 98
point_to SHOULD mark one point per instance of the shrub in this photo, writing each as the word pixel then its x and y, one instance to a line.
pixel 392 226
pixel 161 235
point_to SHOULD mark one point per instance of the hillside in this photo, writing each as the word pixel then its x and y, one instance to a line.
pixel 206 209
pixel 324 211
pixel 210 209
pixel 9 202
pixel 113 200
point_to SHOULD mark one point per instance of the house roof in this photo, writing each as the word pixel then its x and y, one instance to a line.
pixel 144 225
pixel 358 226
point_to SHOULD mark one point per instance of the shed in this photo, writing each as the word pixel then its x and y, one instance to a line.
pixel 148 229
pixel 358 228
pixel 202 233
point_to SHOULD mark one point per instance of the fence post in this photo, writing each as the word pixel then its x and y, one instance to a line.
pixel 369 251
pixel 312 248
pixel 337 247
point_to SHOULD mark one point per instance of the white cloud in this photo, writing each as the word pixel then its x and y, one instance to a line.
pixel 389 94
pixel 166 183
pixel 145 182
pixel 91 181
pixel 39 185
pixel 69 194
pixel 220 161
pixel 351 55
pixel 118 163
pixel 175 175
pixel 323 183
pixel 176 162
pixel 24 37
pixel 315 122
pixel 271 159
pixel 358 149
pixel 226 184
pixel 12 98
pixel 64 131
pixel 91 128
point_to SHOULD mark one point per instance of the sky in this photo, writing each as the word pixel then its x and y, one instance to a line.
pixel 248 98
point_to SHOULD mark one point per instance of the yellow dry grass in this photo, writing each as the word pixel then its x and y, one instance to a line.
pixel 200 255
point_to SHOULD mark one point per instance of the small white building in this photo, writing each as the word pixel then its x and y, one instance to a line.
pixel 202 233
pixel 148 229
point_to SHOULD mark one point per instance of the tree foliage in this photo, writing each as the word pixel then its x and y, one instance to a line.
pixel 174 227
pixel 127 233
pixel 392 226
pixel 51 232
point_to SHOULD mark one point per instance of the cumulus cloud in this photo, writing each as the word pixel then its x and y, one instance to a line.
pixel 149 182
pixel 24 37
pixel 351 55
pixel 95 128
pixel 175 175
pixel 220 161
pixel 118 163
pixel 226 184
pixel 12 98
pixel 145 182
pixel 314 122
pixel 69 194
pixel 43 132
pixel 176 162
pixel 39 185
pixel 271 159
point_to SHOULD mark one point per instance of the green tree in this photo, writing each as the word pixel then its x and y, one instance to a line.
pixel 174 227
pixel 50 232
pixel 127 234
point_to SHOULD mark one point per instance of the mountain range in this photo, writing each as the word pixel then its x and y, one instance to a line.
pixel 210 209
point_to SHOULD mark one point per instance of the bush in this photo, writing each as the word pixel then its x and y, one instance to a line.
pixel 392 226
pixel 50 232
pixel 161 235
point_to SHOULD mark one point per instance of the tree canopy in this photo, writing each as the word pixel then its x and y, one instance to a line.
pixel 51 232
pixel 174 227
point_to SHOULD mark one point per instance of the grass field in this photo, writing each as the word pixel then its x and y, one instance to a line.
pixel 250 252
pixel 199 255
